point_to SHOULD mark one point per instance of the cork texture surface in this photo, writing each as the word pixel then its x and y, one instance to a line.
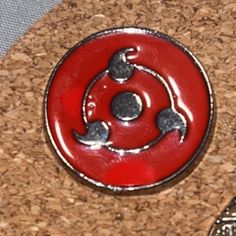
pixel 37 195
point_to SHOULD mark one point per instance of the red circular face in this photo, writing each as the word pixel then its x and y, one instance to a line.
pixel 128 108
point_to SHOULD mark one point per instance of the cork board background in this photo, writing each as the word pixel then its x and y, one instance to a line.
pixel 37 195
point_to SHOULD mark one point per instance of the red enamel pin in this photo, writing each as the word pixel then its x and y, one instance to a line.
pixel 128 108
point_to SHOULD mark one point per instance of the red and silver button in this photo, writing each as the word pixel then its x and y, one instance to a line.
pixel 128 108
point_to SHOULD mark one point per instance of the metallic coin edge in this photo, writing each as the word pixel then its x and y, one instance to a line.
pixel 221 219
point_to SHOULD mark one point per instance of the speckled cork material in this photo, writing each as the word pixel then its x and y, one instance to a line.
pixel 39 197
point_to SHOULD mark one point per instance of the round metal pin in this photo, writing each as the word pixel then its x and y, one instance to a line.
pixel 225 225
pixel 128 108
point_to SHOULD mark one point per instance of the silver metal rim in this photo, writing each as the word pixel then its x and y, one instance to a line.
pixel 143 31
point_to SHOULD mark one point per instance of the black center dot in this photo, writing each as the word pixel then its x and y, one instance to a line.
pixel 126 106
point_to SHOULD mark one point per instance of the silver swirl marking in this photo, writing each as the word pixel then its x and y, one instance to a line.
pixel 127 106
